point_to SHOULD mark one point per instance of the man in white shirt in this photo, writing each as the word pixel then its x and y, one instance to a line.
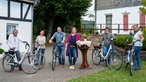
pixel 13 43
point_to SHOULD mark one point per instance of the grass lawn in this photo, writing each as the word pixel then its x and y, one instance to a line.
pixel 121 75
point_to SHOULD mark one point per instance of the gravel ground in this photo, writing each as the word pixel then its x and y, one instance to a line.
pixel 61 73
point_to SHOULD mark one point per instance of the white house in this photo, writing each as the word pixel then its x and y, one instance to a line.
pixel 16 14
pixel 118 14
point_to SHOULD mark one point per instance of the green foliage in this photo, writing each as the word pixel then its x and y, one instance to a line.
pixel 144 42
pixel 1 50
pixel 53 13
pixel 91 30
pixel 144 2
pixel 143 9
pixel 122 75
pixel 120 40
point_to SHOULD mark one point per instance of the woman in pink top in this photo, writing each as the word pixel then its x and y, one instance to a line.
pixel 71 47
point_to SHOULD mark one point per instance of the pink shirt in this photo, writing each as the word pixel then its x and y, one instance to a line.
pixel 68 40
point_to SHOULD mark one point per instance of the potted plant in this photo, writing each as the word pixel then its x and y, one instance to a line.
pixel 1 53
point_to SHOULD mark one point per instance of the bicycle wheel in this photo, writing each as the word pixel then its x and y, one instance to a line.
pixel 28 65
pixel 6 63
pixel 42 61
pixel 54 57
pixel 114 61
pixel 96 59
pixel 125 62
pixel 131 64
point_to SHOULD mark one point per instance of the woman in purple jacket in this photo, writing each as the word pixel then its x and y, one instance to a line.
pixel 71 47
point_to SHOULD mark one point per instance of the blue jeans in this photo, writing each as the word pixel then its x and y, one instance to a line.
pixel 72 55
pixel 137 59
pixel 43 53
pixel 61 56
pixel 17 55
pixel 105 50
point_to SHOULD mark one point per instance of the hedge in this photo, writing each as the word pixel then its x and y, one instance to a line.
pixel 121 41
pixel 1 50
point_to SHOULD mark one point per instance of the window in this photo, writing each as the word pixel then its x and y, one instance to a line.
pixel 14 9
pixel 125 21
pixel 10 28
pixel 142 19
pixel 109 21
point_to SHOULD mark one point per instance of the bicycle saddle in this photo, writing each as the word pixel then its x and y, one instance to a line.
pixel 130 45
pixel 97 47
pixel 6 52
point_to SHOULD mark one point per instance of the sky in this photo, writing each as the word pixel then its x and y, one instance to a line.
pixel 90 11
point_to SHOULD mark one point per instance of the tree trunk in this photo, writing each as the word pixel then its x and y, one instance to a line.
pixel 50 26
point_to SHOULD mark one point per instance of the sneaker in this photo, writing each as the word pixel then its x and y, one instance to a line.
pixel 136 68
pixel 20 69
pixel 70 67
pixel 73 67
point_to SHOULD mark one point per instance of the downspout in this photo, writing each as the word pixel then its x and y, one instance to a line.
pixel 95 9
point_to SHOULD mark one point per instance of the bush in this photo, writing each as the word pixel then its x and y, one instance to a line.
pixel 1 51
pixel 144 42
pixel 91 30
pixel 120 41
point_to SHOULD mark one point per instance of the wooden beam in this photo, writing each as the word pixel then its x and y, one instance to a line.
pixel 21 10
pixel 8 8
pixel 24 1
pixel 15 19
pixel 27 11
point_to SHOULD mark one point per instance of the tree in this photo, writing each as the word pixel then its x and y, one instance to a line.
pixel 143 9
pixel 47 11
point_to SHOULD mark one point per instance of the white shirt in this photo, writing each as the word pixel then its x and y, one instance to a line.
pixel 137 37
pixel 41 40
pixel 14 41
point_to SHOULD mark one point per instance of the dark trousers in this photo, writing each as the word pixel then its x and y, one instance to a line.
pixel 72 55
pixel 43 53
pixel 61 56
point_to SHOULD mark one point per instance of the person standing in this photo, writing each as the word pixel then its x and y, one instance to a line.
pixel 40 41
pixel 13 43
pixel 59 36
pixel 71 47
pixel 107 37
pixel 138 38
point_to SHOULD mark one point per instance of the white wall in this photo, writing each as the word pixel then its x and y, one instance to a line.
pixel 25 6
pixel 3 8
pixel 14 9
pixel 118 17
pixel 24 28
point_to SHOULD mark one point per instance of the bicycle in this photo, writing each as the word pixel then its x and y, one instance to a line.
pixel 54 56
pixel 112 59
pixel 10 61
pixel 129 56
pixel 39 58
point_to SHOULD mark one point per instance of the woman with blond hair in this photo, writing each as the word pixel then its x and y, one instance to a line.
pixel 71 47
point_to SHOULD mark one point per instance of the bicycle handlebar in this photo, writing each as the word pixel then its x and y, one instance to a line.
pixel 26 45
pixel 127 41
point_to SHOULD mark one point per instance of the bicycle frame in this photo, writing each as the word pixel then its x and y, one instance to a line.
pixel 130 51
pixel 23 56
pixel 107 54
pixel 54 50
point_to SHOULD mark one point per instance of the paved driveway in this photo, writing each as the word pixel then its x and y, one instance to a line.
pixel 61 74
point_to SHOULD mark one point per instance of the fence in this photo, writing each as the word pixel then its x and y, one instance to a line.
pixel 98 28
